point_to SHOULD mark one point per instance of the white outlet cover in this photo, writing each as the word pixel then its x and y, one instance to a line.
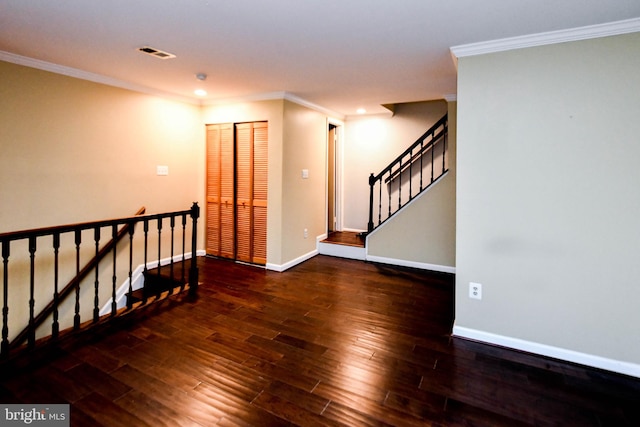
pixel 475 290
pixel 305 173
pixel 162 170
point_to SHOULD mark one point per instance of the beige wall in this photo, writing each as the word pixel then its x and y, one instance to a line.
pixel 548 204
pixel 304 200
pixel 297 140
pixel 424 232
pixel 371 143
pixel 74 151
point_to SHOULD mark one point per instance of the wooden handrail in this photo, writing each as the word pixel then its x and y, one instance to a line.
pixel 68 289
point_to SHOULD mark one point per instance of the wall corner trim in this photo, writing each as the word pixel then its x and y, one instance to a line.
pixel 540 39
pixel 617 366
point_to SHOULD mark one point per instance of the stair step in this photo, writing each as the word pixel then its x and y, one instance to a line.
pixel 342 250
pixel 349 238
pixel 165 279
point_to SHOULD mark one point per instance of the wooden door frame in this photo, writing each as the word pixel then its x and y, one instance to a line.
pixel 339 151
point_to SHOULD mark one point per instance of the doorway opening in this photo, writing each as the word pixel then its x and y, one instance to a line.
pixel 334 176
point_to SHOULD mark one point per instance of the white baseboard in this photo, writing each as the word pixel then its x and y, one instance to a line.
pixel 282 267
pixel 412 264
pixel 593 361
pixel 137 280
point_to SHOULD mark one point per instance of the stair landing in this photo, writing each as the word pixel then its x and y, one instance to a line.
pixel 343 244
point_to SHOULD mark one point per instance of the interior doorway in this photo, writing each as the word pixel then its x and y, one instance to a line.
pixel 334 149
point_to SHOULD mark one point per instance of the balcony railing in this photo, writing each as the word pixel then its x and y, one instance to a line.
pixel 35 262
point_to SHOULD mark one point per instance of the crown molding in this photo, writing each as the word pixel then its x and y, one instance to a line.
pixel 92 77
pixel 272 96
pixel 296 99
pixel 552 37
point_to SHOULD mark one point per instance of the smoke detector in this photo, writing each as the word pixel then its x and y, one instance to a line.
pixel 156 52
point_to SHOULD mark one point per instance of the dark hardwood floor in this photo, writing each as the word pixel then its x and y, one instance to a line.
pixel 330 342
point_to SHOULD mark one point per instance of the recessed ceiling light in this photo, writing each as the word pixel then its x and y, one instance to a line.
pixel 361 111
pixel 200 92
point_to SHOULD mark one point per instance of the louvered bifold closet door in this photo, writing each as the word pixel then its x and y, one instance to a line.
pixel 260 138
pixel 244 185
pixel 220 185
pixel 251 160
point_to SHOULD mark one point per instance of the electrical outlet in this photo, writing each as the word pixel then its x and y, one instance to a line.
pixel 306 233
pixel 475 290
pixel 162 170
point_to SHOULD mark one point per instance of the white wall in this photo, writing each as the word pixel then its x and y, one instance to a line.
pixel 548 207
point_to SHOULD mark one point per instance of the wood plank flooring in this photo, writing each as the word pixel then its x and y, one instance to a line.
pixel 348 238
pixel 331 342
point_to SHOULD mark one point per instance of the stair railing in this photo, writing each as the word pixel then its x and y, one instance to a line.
pixel 408 175
pixel 13 242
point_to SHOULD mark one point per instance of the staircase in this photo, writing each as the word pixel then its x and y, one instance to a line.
pixel 405 178
pixel 35 262
pixel 408 175
pixel 167 279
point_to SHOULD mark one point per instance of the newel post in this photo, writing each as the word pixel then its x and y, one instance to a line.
pixel 193 271
pixel 372 181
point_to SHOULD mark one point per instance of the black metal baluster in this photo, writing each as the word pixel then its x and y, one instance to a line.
pixel 76 317
pixel 4 347
pixel 433 163
pixel 444 145
pixel 399 186
pixel 158 288
pixel 379 201
pixel 410 174
pixel 172 224
pixel 32 283
pixel 129 298
pixel 193 271
pixel 114 236
pixel 55 327
pixel 146 250
pixel 421 163
pixel 372 182
pixel 184 238
pixel 96 298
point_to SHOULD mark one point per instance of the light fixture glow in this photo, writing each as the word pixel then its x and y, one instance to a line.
pixel 200 92
pixel 361 111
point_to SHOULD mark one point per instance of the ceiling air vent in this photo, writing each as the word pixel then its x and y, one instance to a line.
pixel 156 52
